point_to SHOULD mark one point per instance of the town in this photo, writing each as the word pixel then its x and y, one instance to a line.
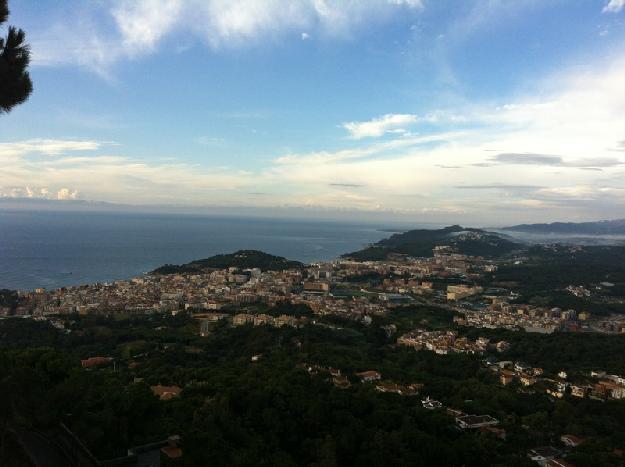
pixel 352 289
pixel 338 295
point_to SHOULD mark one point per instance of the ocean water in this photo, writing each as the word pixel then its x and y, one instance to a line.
pixel 54 249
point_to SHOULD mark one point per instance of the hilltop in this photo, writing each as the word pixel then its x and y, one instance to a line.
pixel 611 227
pixel 243 259
pixel 420 242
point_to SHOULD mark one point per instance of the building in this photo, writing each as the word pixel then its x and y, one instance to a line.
pixel 95 362
pixel 506 377
pixel 459 292
pixel 369 376
pixel 242 319
pixel 543 454
pixel 470 422
pixel 166 392
pixel 431 404
pixel 571 440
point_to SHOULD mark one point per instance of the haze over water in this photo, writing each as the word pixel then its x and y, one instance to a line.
pixel 56 249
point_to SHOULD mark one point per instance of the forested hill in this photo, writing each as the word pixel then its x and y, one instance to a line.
pixel 242 259
pixel 421 242
pixel 613 227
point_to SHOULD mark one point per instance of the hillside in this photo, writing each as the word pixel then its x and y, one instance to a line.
pixel 420 242
pixel 612 227
pixel 242 259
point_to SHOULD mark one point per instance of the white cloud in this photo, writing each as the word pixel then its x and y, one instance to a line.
pixel 577 121
pixel 66 193
pixel 379 126
pixel 47 146
pixel 614 6
pixel 62 194
pixel 141 25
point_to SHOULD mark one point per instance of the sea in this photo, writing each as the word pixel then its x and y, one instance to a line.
pixel 53 249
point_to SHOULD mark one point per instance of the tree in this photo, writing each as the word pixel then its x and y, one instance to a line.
pixel 15 83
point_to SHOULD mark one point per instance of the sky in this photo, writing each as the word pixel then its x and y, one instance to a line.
pixel 473 111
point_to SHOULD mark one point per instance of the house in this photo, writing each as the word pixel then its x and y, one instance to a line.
pixel 431 404
pixel 409 390
pixel 471 422
pixel 543 454
pixel 578 391
pixel 334 371
pixel 502 346
pixel 153 454
pixel 554 393
pixel 385 386
pixel 166 392
pixel 95 362
pixel 506 377
pixel 369 376
pixel 242 319
pixel 262 319
pixel 558 462
pixel 527 380
pixel 571 440
pixel 341 382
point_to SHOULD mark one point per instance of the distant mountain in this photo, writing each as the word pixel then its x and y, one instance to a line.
pixel 476 242
pixel 613 227
pixel 242 259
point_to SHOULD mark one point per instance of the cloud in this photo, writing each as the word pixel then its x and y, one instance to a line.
pixel 62 194
pixel 573 120
pixel 140 26
pixel 527 159
pixel 143 23
pixel 498 187
pixel 375 149
pixel 305 36
pixel 614 6
pixel 47 146
pixel 346 185
pixel 379 126
pixel 556 161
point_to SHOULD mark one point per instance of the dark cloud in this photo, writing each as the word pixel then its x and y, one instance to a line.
pixel 550 160
pixel 449 166
pixel 527 159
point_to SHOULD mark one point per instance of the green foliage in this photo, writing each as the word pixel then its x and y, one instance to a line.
pixel 242 259
pixel 550 269
pixel 15 83
pixel 580 352
pixel 233 411
pixel 290 309
pixel 9 298
pixel 420 243
pixel 612 227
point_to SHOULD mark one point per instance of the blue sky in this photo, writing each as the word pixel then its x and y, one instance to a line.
pixel 472 111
